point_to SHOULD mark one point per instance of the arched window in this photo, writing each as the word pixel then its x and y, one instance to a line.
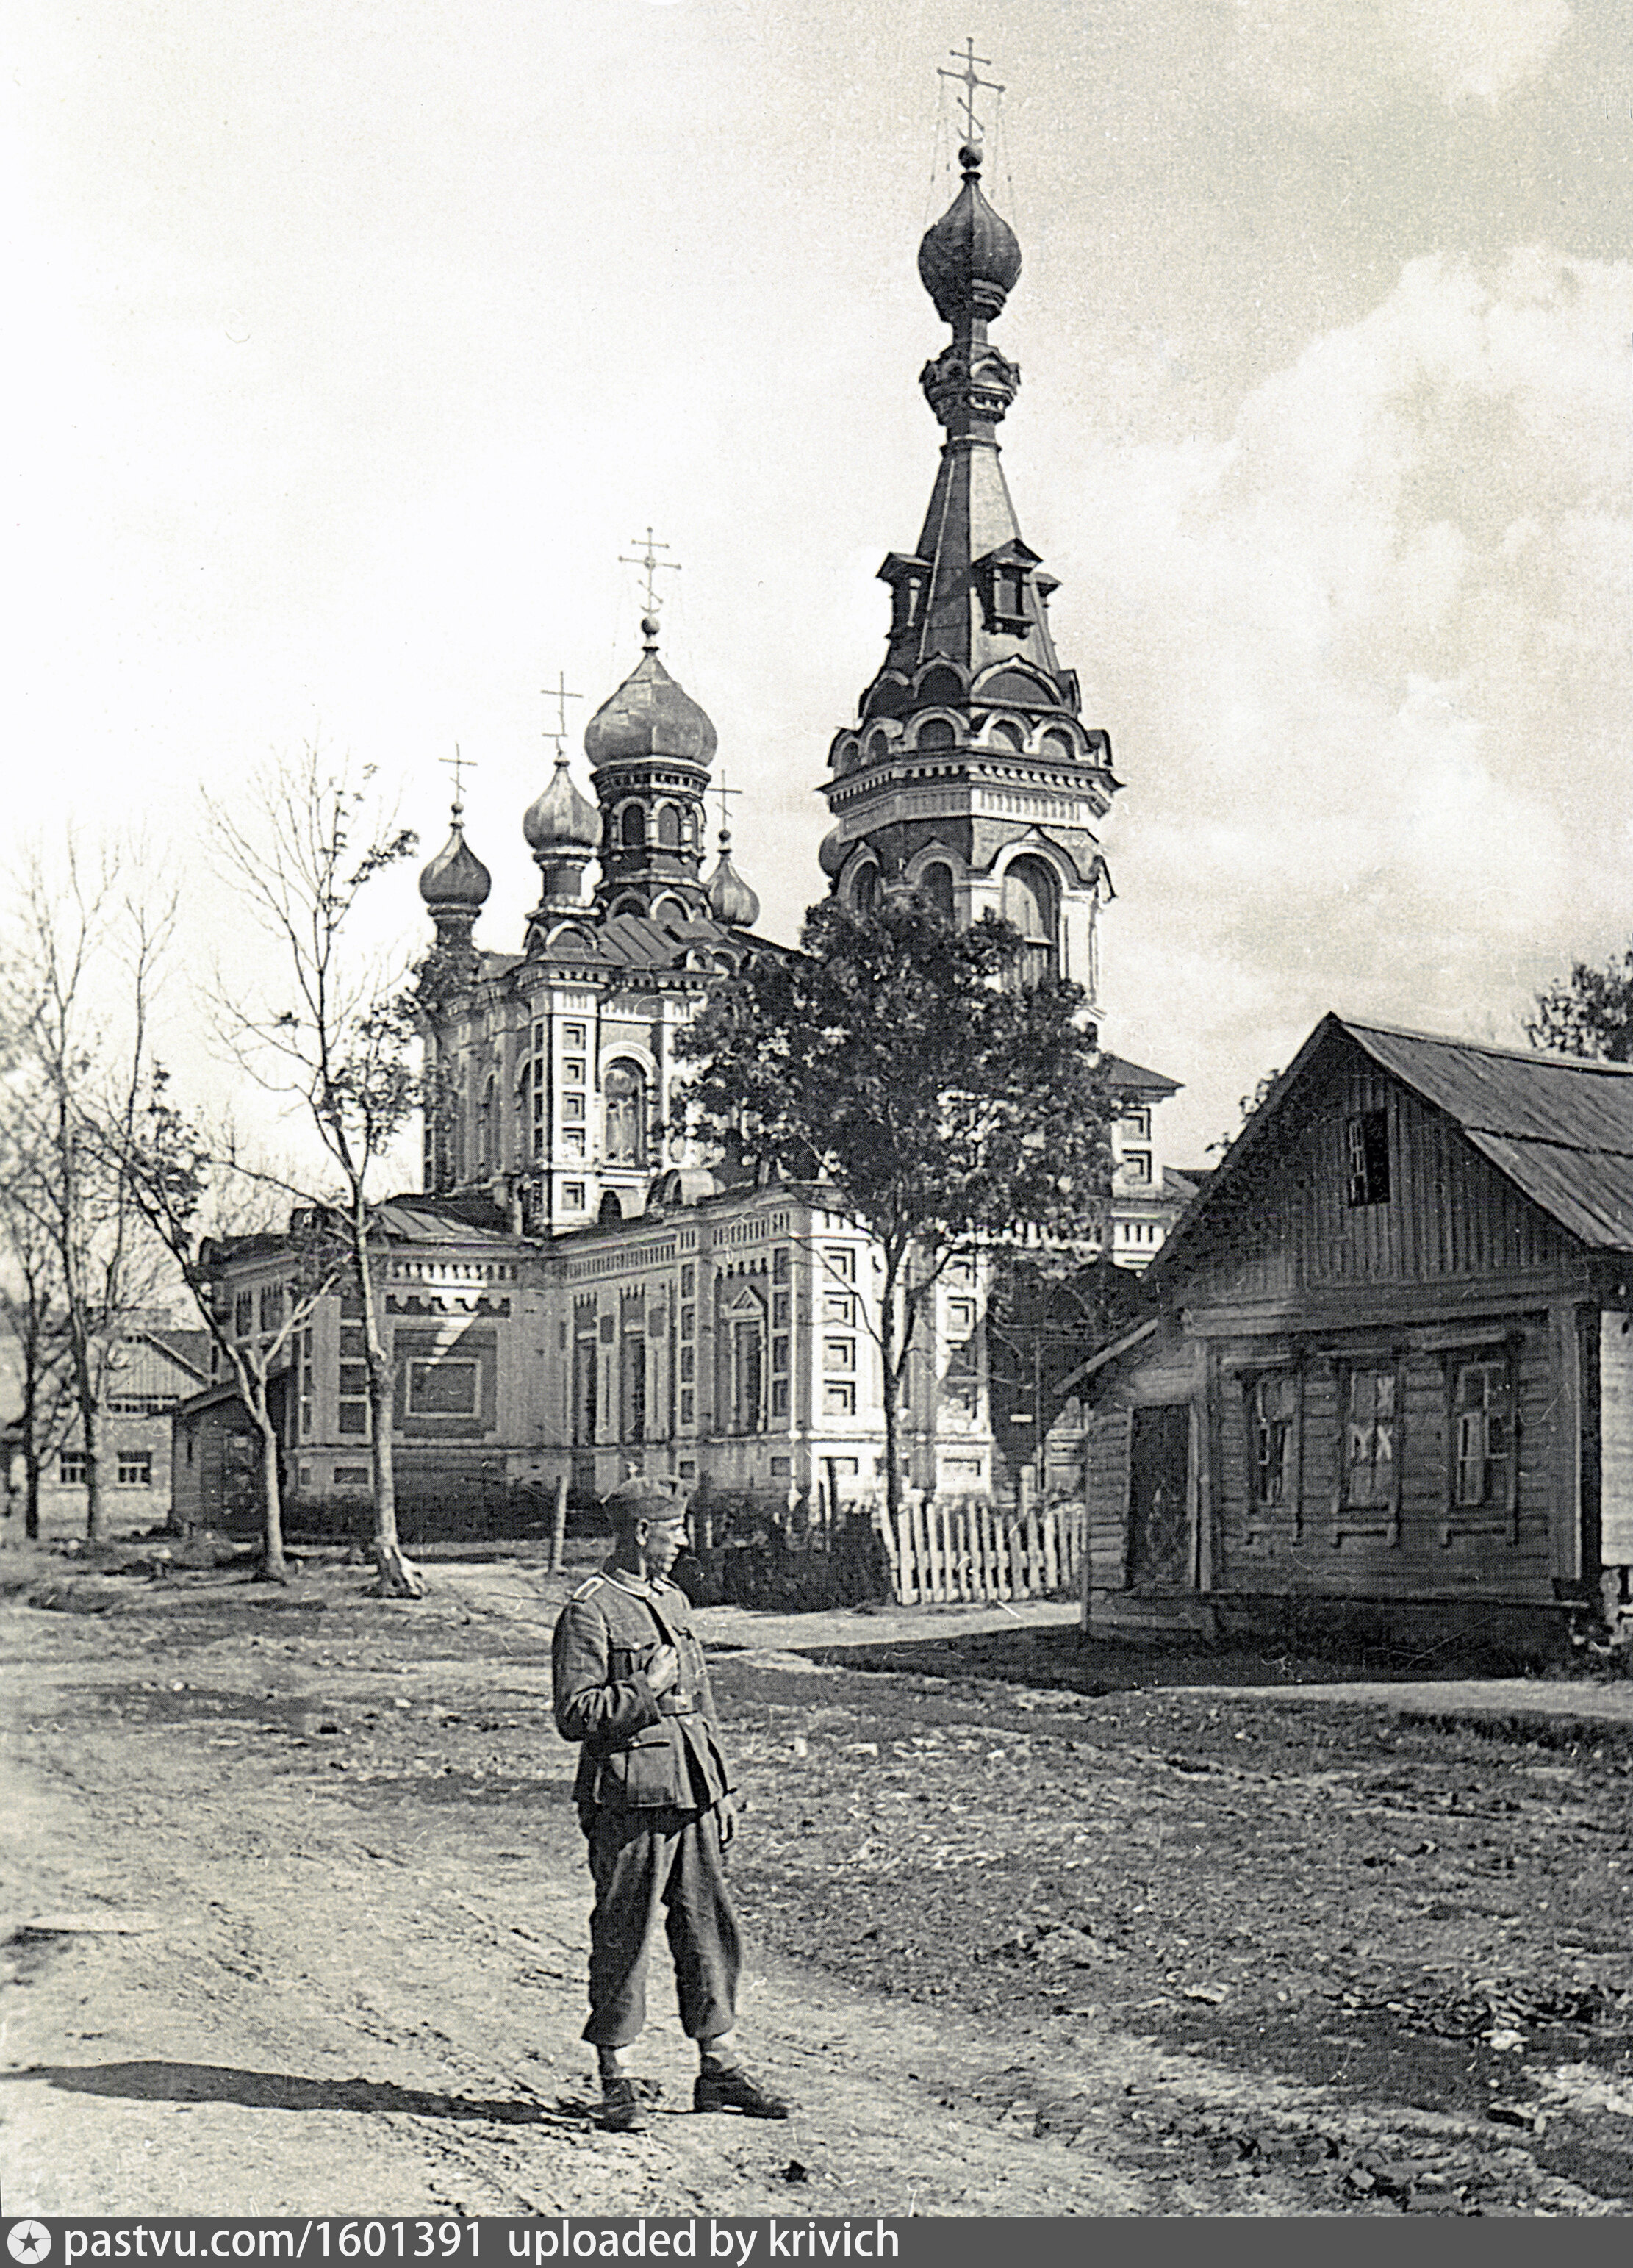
pixel 935 887
pixel 1032 905
pixel 1006 735
pixel 625 1092
pixel 741 1364
pixel 865 892
pixel 632 827
pixel 668 827
pixel 610 1207
pixel 670 909
pixel 935 733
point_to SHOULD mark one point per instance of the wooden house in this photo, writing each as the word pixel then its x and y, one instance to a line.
pixel 1384 1387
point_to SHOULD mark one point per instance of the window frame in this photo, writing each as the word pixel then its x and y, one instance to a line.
pixel 1371 1515
pixel 1497 1515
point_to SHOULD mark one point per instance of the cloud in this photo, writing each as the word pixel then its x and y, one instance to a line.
pixel 1368 671
pixel 1464 51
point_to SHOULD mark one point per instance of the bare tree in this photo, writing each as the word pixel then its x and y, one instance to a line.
pixel 77 936
pixel 31 1288
pixel 332 1029
pixel 205 1209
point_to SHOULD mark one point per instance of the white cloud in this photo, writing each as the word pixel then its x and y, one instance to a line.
pixel 1373 669
pixel 1307 57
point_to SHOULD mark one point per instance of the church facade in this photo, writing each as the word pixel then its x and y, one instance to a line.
pixel 576 1291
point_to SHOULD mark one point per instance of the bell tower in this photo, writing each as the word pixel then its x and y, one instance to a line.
pixel 969 775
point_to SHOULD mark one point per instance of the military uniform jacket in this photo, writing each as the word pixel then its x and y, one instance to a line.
pixel 640 1750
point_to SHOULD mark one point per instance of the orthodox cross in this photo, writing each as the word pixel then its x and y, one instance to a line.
pixel 457 764
pixel 723 790
pixel 649 560
pixel 562 696
pixel 970 81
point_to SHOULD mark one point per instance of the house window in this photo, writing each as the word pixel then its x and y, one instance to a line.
pixel 572 1144
pixel 1366 1156
pixel 70 1469
pixel 1137 1124
pixel 688 1407
pixel 839 1354
pixel 688 1289
pixel 572 1197
pixel 1273 1411
pixel 352 1418
pixel 836 1308
pixel 572 1071
pixel 841 1260
pixel 1483 1430
pixel 442 1389
pixel 689 1363
pixel 572 1036
pixel 1371 1439
pixel 357 1477
pixel 243 1315
pixel 779 1264
pixel 688 1321
pixel 135 1469
pixel 271 1307
pixel 573 1106
pixel 935 887
pixel 960 1318
pixel 839 1398
pixel 779 1352
pixel 1137 1165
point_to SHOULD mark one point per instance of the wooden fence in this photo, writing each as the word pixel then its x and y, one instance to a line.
pixel 951 1548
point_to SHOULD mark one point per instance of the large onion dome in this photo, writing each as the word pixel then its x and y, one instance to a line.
pixel 649 715
pixel 969 261
pixel 730 899
pixel 561 819
pixel 456 876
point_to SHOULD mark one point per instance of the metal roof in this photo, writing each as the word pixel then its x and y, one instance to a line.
pixel 1560 1127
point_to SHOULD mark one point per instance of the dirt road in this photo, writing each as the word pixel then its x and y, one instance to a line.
pixel 296 1921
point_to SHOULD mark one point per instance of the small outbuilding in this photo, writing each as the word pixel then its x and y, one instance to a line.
pixel 1384 1385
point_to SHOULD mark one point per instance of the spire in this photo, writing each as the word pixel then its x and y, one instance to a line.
pixel 969 777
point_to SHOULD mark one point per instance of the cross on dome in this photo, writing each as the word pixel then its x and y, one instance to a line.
pixel 559 692
pixel 457 765
pixel 649 560
pixel 970 79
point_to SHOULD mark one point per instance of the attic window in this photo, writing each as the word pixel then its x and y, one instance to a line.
pixel 1003 596
pixel 1366 1143
pixel 906 593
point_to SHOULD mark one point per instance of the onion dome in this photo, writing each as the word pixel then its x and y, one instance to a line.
pixel 456 876
pixel 730 899
pixel 561 819
pixel 969 261
pixel 833 852
pixel 649 715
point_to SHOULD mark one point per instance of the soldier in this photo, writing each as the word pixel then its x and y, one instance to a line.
pixel 654 1798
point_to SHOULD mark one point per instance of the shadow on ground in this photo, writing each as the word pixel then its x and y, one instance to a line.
pixel 281 2090
pixel 1063 1657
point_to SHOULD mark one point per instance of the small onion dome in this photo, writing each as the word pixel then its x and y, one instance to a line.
pixel 561 819
pixel 835 852
pixel 969 261
pixel 649 715
pixel 456 876
pixel 730 899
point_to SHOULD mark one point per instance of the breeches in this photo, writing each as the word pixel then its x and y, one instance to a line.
pixel 642 1863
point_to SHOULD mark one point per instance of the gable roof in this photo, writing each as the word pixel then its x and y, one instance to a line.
pixel 1560 1128
pixel 1123 1077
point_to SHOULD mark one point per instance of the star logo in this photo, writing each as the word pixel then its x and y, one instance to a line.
pixel 28 2241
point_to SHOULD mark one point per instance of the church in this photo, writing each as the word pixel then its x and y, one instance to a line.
pixel 575 1291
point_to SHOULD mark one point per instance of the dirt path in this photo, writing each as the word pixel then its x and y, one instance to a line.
pixel 340 1918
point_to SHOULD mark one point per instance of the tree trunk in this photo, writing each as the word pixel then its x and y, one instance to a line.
pixel 558 1527
pixel 399 1577
pixel 274 1567
pixel 889 1386
pixel 90 1421
pixel 31 1495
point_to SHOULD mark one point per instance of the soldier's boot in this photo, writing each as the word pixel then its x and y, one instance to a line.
pixel 623 2105
pixel 736 2089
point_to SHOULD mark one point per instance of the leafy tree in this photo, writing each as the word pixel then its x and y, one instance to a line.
pixel 946 1106
pixel 1250 1106
pixel 332 1029
pixel 1591 1013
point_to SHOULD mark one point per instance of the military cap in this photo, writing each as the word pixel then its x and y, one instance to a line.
pixel 639 1497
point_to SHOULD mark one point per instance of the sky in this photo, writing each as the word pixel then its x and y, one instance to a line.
pixel 357 343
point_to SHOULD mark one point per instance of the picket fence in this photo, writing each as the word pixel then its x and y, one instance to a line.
pixel 964 1548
